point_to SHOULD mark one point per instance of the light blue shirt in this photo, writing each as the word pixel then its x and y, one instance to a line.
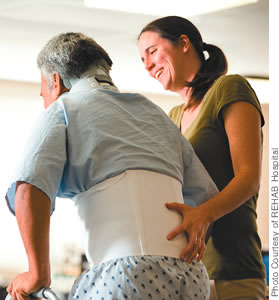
pixel 93 133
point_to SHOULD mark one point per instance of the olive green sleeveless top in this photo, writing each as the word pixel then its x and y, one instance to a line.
pixel 234 248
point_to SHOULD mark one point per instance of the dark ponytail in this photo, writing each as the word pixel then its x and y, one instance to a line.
pixel 171 28
pixel 211 69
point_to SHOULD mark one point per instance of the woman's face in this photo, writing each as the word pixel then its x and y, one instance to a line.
pixel 163 60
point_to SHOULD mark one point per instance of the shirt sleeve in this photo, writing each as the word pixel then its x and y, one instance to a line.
pixel 198 186
pixel 44 157
pixel 235 88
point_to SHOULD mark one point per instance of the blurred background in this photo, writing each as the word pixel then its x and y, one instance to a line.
pixel 240 28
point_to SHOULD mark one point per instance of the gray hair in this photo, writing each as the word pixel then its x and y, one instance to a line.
pixel 71 54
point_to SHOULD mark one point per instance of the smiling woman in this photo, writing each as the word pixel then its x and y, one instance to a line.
pixel 222 118
pixel 162 60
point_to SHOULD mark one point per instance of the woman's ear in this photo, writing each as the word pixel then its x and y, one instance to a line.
pixel 184 42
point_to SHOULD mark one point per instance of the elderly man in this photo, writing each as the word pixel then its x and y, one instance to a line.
pixel 120 158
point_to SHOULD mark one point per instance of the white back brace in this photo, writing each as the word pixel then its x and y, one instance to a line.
pixel 126 216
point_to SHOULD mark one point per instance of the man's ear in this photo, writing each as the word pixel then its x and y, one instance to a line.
pixel 184 42
pixel 57 86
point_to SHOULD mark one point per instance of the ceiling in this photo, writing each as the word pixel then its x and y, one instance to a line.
pixel 26 25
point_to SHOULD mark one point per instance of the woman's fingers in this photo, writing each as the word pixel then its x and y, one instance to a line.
pixel 201 252
pixel 192 250
pixel 176 206
pixel 195 247
pixel 178 230
pixel 195 228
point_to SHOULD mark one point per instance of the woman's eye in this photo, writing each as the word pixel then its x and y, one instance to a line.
pixel 153 51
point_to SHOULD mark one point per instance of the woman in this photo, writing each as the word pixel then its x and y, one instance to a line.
pixel 221 117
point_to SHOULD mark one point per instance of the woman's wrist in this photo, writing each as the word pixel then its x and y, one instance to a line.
pixel 209 212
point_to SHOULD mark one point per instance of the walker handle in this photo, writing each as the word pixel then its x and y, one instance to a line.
pixel 44 293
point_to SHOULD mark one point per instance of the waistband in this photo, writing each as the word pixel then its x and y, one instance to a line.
pixel 126 216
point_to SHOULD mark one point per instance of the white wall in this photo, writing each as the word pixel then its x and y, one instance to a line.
pixel 20 105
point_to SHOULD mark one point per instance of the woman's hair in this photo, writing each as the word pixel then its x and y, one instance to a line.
pixel 71 54
pixel 171 28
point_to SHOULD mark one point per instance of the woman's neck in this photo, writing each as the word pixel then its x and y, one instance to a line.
pixel 188 117
pixel 191 68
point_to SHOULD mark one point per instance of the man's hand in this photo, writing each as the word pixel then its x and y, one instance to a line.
pixel 25 284
pixel 195 223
